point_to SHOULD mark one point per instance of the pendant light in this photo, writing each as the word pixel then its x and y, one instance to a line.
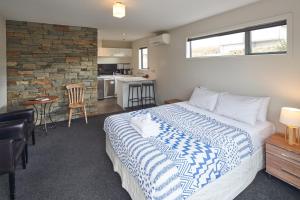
pixel 119 10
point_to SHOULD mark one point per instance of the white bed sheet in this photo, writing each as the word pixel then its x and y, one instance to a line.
pixel 259 132
pixel 228 186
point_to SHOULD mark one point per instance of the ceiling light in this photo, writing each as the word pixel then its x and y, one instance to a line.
pixel 119 10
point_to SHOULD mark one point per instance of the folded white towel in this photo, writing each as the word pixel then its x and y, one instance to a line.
pixel 141 120
pixel 150 131
pixel 144 125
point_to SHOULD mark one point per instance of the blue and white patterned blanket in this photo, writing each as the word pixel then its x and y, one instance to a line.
pixel 191 150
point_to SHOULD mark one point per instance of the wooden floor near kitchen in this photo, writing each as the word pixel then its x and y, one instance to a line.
pixel 108 106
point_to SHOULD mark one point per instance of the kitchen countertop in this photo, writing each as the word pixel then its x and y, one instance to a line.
pixel 124 78
pixel 134 79
pixel 112 76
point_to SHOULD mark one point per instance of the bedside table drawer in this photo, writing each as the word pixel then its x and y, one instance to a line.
pixel 283 154
pixel 170 101
pixel 283 169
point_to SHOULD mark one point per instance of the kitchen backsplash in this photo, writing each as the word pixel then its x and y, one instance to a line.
pixel 139 72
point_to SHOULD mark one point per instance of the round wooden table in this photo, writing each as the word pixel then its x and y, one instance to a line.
pixel 42 112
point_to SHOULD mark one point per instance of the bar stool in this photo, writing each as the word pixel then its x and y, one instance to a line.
pixel 131 98
pixel 147 96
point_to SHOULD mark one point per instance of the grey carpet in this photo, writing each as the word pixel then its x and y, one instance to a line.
pixel 71 164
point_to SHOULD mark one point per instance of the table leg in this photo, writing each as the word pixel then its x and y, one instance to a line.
pixel 49 115
pixel 44 116
pixel 37 114
pixel 41 115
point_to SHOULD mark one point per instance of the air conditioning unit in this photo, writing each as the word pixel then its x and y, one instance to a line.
pixel 162 39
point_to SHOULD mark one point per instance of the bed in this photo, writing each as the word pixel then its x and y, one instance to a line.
pixel 197 154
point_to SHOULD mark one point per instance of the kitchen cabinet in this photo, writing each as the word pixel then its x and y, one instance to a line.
pixel 114 52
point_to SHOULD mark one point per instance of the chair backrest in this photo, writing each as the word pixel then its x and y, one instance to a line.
pixel 76 93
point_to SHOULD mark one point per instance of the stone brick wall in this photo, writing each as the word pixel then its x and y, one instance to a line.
pixel 43 58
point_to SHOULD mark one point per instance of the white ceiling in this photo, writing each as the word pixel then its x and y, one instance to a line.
pixel 143 17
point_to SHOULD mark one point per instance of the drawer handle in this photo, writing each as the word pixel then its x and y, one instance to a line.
pixel 286 156
pixel 291 173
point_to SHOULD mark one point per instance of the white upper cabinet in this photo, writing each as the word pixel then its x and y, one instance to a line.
pixel 114 52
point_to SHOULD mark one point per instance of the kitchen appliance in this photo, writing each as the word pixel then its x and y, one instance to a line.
pixel 100 86
pixel 124 68
pixel 106 87
pixel 109 88
pixel 107 69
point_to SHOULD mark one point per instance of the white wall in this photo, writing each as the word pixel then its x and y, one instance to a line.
pixel 3 88
pixel 277 76
pixel 155 58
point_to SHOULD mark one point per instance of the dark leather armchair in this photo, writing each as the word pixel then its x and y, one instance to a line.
pixel 28 116
pixel 12 149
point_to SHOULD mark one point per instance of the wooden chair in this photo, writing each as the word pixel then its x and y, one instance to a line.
pixel 76 100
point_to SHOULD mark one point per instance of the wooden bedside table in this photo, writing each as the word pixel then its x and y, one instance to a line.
pixel 283 160
pixel 170 101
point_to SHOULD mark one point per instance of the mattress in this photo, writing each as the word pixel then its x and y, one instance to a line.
pixel 195 151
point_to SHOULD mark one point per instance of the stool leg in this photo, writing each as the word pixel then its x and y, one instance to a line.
pixel 149 95
pixel 137 96
pixel 142 96
pixel 131 97
pixel 141 99
pixel 154 94
pixel 145 95
pixel 128 97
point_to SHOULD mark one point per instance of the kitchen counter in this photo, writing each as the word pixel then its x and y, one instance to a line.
pixel 123 87
pixel 113 76
pixel 106 77
pixel 134 79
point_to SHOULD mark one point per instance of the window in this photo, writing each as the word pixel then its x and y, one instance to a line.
pixel 231 44
pixel 143 58
pixel 268 38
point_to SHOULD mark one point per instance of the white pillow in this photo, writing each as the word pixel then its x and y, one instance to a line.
pixel 263 110
pixel 240 108
pixel 204 98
